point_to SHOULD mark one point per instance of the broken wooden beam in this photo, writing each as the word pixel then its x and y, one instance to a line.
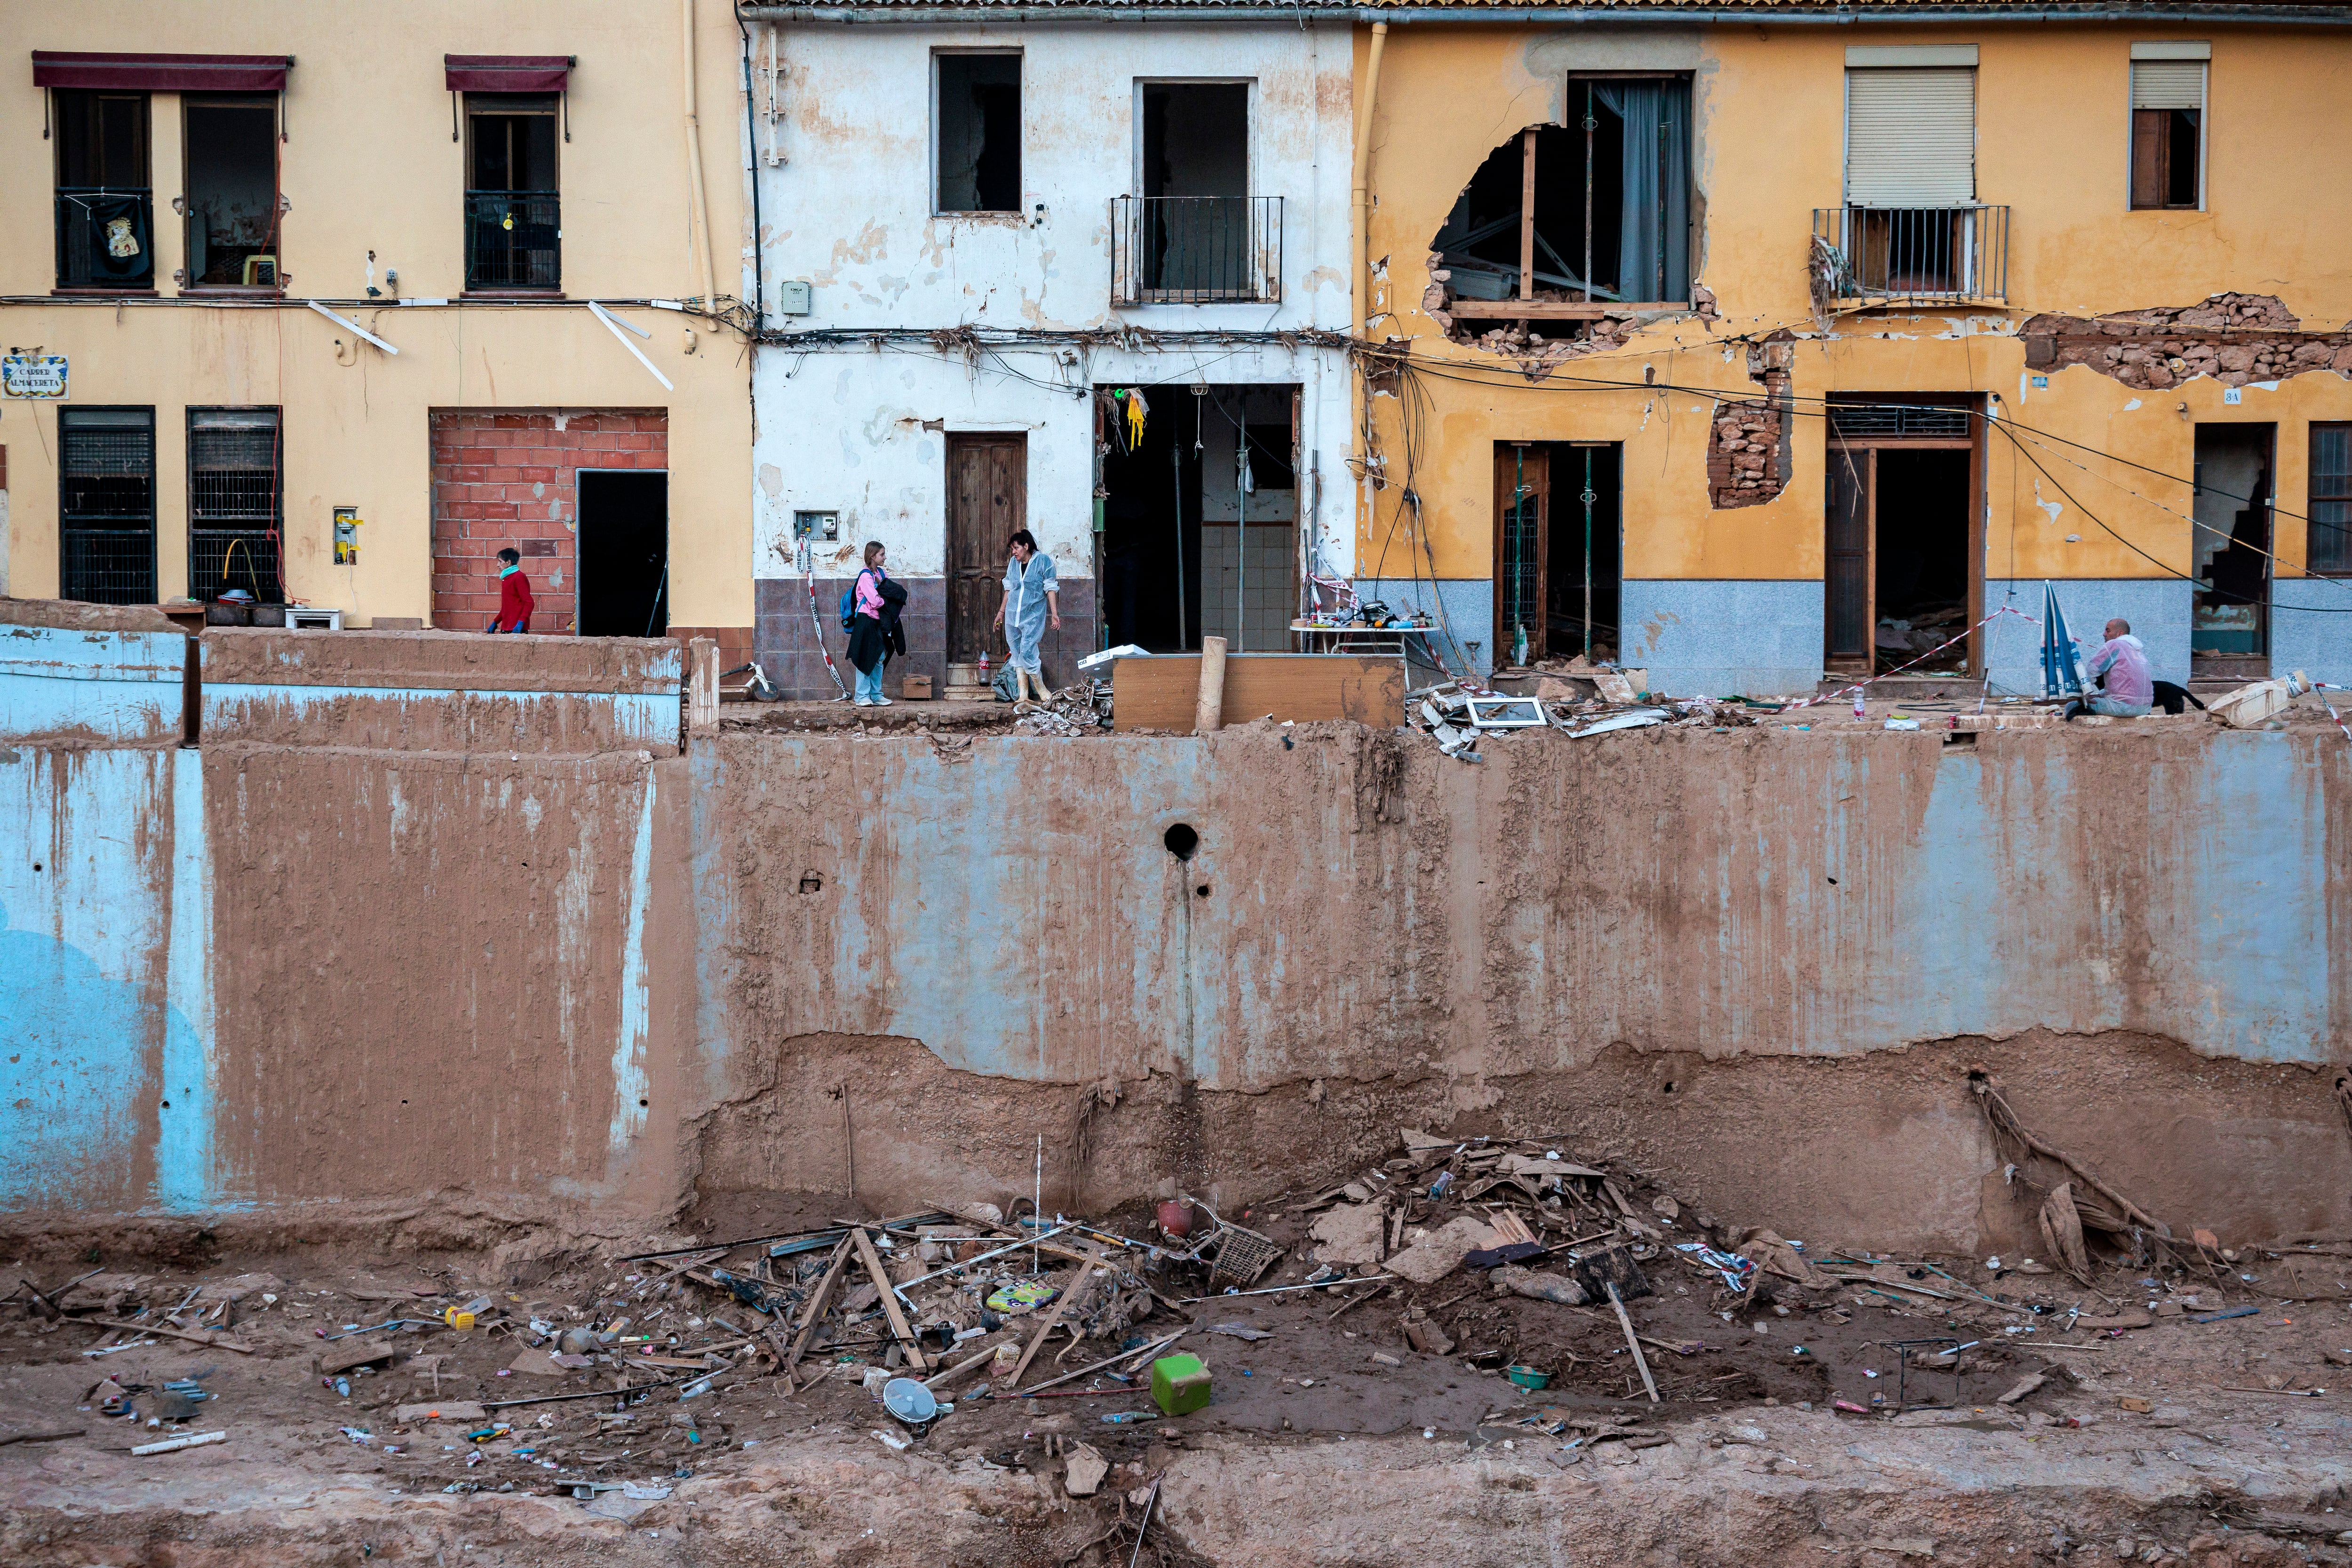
pixel 881 1276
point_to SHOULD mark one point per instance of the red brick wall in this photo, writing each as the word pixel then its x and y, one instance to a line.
pixel 505 478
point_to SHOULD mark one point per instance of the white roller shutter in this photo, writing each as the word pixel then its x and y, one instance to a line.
pixel 1911 137
pixel 2168 84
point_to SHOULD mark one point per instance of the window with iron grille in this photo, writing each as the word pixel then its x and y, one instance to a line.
pixel 2330 547
pixel 106 505
pixel 514 228
pixel 235 503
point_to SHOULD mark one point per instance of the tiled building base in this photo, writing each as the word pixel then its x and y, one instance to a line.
pixel 786 644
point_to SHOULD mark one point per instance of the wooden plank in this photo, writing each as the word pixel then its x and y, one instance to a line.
pixel 1077 1290
pixel 1552 310
pixel 1162 693
pixel 881 1276
pixel 817 1306
pixel 1527 214
pixel 195 1336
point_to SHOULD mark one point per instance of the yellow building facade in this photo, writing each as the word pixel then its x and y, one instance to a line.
pixel 1964 306
pixel 327 306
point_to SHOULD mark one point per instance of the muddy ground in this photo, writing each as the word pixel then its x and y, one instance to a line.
pixel 1330 1440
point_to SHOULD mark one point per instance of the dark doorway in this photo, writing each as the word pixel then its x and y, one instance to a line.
pixel 623 552
pixel 988 501
pixel 1558 561
pixel 2230 631
pixel 1921 573
pixel 1199 516
pixel 1900 572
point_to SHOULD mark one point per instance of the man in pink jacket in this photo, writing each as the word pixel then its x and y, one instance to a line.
pixel 2130 689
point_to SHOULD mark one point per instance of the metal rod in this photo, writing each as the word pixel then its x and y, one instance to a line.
pixel 1590 125
pixel 1241 525
pixel 1282 1290
pixel 1033 1243
pixel 1176 476
pixel 1588 499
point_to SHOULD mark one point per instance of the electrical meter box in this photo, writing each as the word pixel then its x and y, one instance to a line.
pixel 793 297
pixel 347 535
pixel 817 527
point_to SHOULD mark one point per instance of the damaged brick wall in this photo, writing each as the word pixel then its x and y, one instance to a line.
pixel 507 477
pixel 2232 338
pixel 1747 453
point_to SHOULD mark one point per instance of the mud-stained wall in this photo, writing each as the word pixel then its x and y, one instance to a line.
pixel 346 956
pixel 1360 904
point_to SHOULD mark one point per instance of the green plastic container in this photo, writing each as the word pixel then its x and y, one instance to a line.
pixel 1180 1385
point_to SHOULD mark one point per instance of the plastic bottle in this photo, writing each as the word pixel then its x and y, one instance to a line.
pixel 1857 706
pixel 983 666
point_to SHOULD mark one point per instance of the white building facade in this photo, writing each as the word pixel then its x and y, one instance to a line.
pixel 1087 278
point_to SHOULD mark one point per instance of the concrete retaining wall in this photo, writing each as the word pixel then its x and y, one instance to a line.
pixel 471 928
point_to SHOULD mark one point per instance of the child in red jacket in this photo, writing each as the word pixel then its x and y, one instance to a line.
pixel 515 603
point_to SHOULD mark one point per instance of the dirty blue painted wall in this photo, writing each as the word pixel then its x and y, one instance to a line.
pixel 1371 908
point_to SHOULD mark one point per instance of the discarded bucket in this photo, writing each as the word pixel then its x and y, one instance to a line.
pixel 1527 1377
pixel 1180 1385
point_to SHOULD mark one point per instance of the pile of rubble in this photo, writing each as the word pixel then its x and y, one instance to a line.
pixel 1575 698
pixel 1073 710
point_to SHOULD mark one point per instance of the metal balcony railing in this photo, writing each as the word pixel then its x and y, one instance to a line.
pixel 514 240
pixel 105 238
pixel 1195 250
pixel 1927 256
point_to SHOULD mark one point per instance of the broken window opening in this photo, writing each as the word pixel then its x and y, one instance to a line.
pixel 978 155
pixel 104 204
pixel 2228 632
pixel 513 219
pixel 1583 219
pixel 232 192
pixel 2167 153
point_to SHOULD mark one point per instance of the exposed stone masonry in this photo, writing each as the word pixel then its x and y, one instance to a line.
pixel 1748 447
pixel 2223 338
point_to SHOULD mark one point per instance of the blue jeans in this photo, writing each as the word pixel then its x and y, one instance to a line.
pixel 869 686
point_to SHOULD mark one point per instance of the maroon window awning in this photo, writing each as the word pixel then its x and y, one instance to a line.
pixel 507 73
pixel 162 73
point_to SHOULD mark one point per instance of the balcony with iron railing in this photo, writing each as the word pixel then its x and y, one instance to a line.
pixel 514 242
pixel 105 238
pixel 1195 250
pixel 1909 256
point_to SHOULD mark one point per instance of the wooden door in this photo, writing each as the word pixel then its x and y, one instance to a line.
pixel 1522 544
pixel 987 499
pixel 1851 621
